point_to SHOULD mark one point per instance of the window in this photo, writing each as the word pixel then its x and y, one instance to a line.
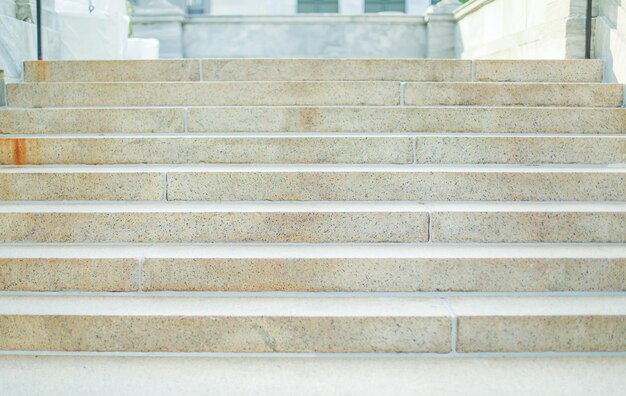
pixel 305 6
pixel 384 5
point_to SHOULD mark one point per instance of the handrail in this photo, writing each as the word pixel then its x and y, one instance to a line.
pixel 588 30
pixel 39 35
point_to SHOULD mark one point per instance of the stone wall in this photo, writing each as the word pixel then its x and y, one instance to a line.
pixel 521 29
pixel 305 36
pixel 610 39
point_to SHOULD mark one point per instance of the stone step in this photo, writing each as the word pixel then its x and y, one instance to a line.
pixel 314 268
pixel 512 94
pixel 58 375
pixel 314 149
pixel 314 70
pixel 313 324
pixel 314 119
pixel 312 183
pixel 313 222
pixel 312 94
pixel 371 93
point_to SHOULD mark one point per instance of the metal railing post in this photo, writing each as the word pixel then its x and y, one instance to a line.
pixel 39 39
pixel 588 30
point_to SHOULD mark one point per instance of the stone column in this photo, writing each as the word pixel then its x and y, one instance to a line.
pixel 441 29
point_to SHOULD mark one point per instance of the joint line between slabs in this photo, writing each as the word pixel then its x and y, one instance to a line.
pixel 454 325
pixel 139 275
pixel 402 85
pixel 186 120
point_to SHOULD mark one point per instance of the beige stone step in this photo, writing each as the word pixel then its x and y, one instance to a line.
pixel 82 186
pixel 407 119
pixel 589 70
pixel 250 70
pixel 531 223
pixel 314 222
pixel 312 376
pixel 311 94
pixel 314 268
pixel 395 184
pixel 214 222
pixel 314 70
pixel 552 324
pixel 519 149
pixel 235 324
pixel 510 94
pixel 312 183
pixel 373 93
pixel 314 119
pixel 313 149
pixel 313 324
pixel 92 120
pixel 212 150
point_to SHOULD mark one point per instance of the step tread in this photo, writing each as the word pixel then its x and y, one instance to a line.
pixel 314 168
pixel 259 306
pixel 190 374
pixel 221 306
pixel 314 206
pixel 339 251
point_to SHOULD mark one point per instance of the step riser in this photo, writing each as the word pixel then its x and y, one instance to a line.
pixel 314 119
pixel 541 334
pixel 226 334
pixel 330 227
pixel 315 70
pixel 311 150
pixel 491 120
pixel 324 325
pixel 313 227
pixel 209 94
pixel 313 94
pixel 387 186
pixel 522 227
pixel 314 150
pixel 313 186
pixel 313 275
pixel 495 94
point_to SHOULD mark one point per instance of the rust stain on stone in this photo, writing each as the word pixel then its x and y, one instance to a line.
pixel 308 119
pixel 19 151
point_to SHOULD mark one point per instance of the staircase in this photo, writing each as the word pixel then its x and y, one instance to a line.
pixel 313 227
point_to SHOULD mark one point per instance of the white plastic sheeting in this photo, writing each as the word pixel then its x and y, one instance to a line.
pixel 98 34
pixel 139 48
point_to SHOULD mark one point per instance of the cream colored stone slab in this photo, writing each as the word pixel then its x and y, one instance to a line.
pixel 528 227
pixel 520 150
pixel 324 325
pixel 215 227
pixel 81 186
pixel 384 275
pixel 541 324
pixel 408 119
pixel 394 186
pixel 312 376
pixel 335 70
pixel 68 274
pixel 209 150
pixel 570 70
pixel 112 70
pixel 98 120
pixel 512 94
pixel 205 94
